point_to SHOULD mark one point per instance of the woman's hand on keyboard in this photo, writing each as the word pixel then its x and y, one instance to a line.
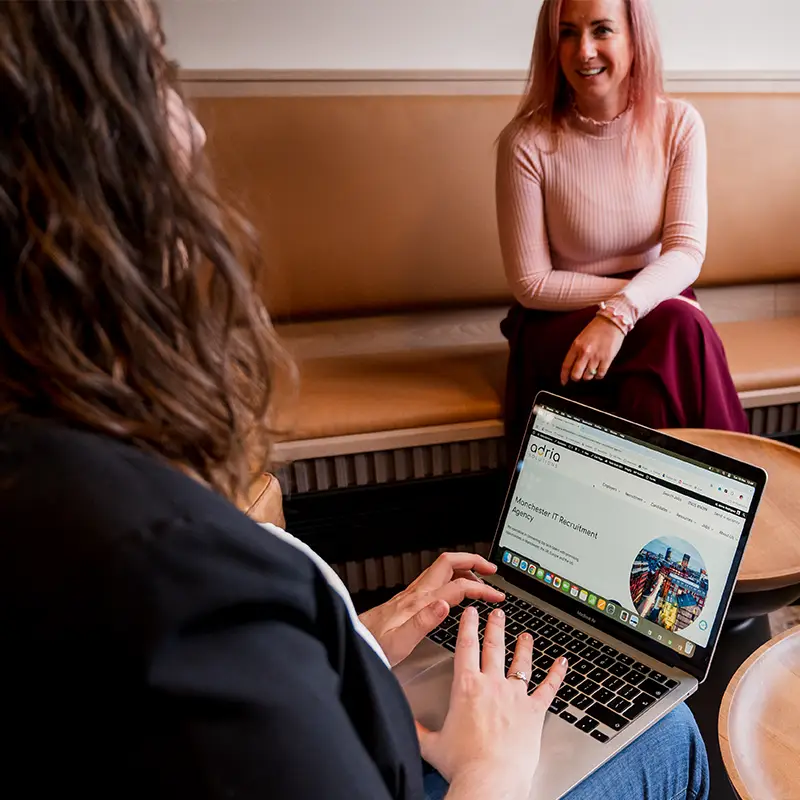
pixel 490 741
pixel 403 622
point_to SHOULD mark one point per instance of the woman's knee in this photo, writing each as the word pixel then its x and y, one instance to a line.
pixel 680 728
pixel 672 315
pixel 680 725
pixel 667 762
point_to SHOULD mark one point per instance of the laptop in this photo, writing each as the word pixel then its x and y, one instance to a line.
pixel 618 546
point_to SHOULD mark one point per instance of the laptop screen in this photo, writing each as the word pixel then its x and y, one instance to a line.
pixel 629 530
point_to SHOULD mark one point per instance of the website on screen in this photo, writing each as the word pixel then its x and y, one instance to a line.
pixel 643 536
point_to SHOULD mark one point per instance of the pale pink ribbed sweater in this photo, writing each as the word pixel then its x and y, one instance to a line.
pixel 573 215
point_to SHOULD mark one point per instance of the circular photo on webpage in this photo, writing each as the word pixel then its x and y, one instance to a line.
pixel 669 583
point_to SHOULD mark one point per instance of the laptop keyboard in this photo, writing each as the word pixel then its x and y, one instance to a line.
pixel 603 691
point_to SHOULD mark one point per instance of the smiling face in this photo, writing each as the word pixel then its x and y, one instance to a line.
pixel 595 52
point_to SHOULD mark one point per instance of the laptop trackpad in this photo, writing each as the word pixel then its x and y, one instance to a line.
pixel 429 694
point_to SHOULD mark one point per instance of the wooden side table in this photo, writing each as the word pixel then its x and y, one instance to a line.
pixel 759 722
pixel 769 577
pixel 772 560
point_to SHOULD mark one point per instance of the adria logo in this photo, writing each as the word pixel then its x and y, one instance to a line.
pixel 545 451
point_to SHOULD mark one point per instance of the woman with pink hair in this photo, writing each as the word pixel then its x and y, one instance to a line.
pixel 602 213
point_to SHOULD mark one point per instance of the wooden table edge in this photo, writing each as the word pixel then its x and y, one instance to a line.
pixel 737 434
pixel 725 708
pixel 784 580
pixel 772 582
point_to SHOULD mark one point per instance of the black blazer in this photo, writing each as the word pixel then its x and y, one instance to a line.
pixel 157 643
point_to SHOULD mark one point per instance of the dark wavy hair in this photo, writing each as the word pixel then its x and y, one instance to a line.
pixel 126 285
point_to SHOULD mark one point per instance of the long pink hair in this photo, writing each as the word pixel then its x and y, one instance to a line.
pixel 548 96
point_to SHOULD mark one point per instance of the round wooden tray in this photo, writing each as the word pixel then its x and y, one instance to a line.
pixel 759 722
pixel 772 558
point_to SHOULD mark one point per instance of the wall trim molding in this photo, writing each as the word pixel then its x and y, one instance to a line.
pixel 277 83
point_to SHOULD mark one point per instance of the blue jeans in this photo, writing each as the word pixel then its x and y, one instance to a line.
pixel 667 762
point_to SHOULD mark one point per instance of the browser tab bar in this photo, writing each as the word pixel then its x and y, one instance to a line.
pixel 644 459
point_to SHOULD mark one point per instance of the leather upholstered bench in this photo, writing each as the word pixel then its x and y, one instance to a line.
pixel 385 279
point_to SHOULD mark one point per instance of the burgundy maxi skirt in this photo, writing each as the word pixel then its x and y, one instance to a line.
pixel 671 371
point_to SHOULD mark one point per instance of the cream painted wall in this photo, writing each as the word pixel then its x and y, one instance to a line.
pixel 729 35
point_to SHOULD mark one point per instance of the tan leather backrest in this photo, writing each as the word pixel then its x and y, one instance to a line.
pixel 374 203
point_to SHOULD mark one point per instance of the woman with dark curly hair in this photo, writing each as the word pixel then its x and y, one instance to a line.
pixel 157 643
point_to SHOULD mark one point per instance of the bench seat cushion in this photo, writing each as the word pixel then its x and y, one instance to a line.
pixel 342 396
pixel 764 353
pixel 371 375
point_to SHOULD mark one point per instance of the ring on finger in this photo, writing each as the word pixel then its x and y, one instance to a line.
pixel 519 676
